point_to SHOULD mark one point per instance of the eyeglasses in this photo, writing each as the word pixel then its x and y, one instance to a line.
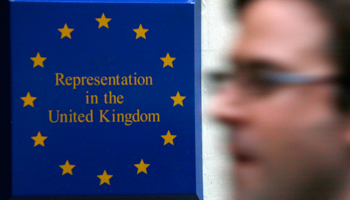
pixel 263 82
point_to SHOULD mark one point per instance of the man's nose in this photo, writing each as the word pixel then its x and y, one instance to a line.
pixel 229 105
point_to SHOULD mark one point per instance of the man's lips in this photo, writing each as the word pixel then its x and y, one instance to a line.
pixel 243 156
pixel 245 160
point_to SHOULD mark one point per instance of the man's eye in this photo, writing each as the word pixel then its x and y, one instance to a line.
pixel 263 83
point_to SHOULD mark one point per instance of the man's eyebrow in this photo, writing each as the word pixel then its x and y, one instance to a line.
pixel 257 64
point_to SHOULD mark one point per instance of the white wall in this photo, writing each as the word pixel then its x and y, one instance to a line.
pixel 218 37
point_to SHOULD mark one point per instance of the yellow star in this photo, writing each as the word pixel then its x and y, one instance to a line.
pixel 38 60
pixel 104 178
pixel 39 139
pixel 168 138
pixel 178 99
pixel 140 32
pixel 168 61
pixel 28 100
pixel 67 168
pixel 142 167
pixel 103 21
pixel 65 31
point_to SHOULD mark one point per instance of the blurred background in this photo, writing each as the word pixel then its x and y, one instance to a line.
pixel 219 31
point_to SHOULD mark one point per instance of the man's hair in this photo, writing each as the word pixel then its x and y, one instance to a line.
pixel 337 12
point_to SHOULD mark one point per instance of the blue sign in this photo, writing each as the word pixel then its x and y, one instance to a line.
pixel 106 98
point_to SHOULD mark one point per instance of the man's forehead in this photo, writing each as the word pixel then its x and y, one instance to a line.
pixel 283 17
pixel 281 30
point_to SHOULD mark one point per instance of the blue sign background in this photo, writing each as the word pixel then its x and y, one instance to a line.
pixel 98 146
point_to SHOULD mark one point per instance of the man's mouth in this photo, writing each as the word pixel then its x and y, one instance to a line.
pixel 243 158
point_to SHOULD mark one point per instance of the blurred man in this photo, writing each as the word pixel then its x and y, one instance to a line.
pixel 287 103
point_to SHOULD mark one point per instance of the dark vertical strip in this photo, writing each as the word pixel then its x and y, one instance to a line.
pixel 5 101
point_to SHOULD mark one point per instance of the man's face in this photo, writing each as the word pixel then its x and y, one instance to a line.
pixel 288 142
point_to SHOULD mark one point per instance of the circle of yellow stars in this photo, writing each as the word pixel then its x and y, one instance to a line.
pixel 28 100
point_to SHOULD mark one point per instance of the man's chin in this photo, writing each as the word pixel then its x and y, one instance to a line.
pixel 254 182
pixel 249 182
